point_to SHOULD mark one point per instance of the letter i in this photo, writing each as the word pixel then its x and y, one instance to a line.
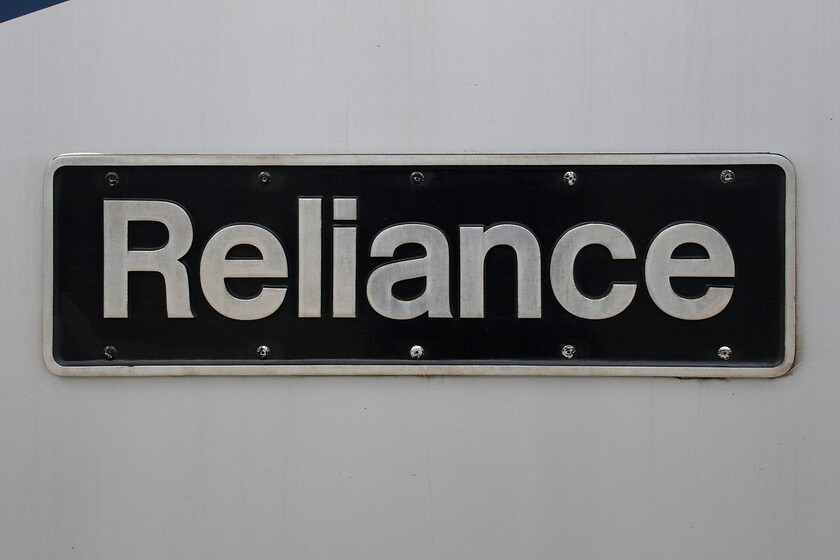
pixel 309 257
pixel 344 259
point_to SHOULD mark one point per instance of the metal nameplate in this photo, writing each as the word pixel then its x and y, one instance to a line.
pixel 609 264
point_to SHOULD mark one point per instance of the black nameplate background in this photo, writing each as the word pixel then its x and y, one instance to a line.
pixel 640 199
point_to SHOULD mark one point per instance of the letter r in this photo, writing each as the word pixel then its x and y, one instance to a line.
pixel 119 260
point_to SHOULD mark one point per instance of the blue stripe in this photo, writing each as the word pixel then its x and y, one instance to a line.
pixel 10 9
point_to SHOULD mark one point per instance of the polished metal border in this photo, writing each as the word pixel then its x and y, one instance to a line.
pixel 415 368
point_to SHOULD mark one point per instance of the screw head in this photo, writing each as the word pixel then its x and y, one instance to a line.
pixel 109 352
pixel 416 352
pixel 724 352
pixel 264 177
pixel 727 176
pixel 416 178
pixel 263 352
pixel 568 351
pixel 570 178
pixel 112 179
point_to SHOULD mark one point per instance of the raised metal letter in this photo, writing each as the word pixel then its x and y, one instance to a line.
pixel 434 267
pixel 475 243
pixel 660 267
pixel 309 257
pixel 562 271
pixel 119 260
pixel 344 259
pixel 215 267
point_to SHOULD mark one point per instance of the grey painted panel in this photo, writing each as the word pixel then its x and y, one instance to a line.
pixel 419 467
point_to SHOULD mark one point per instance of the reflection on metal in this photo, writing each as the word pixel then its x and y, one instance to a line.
pixel 416 352
pixel 109 352
pixel 724 352
pixel 727 176
pixel 263 352
pixel 568 351
pixel 570 178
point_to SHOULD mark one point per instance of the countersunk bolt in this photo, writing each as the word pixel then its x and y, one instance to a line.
pixel 724 352
pixel 416 352
pixel 568 351
pixel 112 179
pixel 416 178
pixel 264 177
pixel 109 352
pixel 570 178
pixel 727 176
pixel 263 352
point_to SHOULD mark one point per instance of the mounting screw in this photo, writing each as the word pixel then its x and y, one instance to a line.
pixel 727 176
pixel 570 178
pixel 724 352
pixel 112 179
pixel 263 352
pixel 416 178
pixel 109 352
pixel 264 177
pixel 568 351
pixel 416 352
